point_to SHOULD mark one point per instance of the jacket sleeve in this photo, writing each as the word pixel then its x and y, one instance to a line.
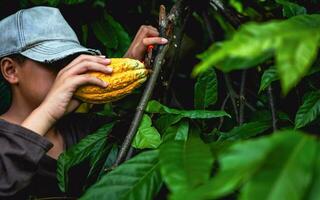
pixel 20 152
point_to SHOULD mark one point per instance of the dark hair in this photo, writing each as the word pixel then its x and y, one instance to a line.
pixel 16 57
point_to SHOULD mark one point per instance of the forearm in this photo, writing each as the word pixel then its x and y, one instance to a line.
pixel 38 121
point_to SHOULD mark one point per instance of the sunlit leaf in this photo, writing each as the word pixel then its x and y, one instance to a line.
pixel 147 136
pixel 271 167
pixel 293 42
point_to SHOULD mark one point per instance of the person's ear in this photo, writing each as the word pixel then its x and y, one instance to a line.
pixel 9 70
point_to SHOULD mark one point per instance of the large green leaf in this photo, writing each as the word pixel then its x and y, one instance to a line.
pixel 245 131
pixel 155 107
pixel 294 42
pixel 313 193
pixel 147 136
pixel 85 149
pixel 309 110
pixel 185 164
pixel 287 172
pixel 271 167
pixel 206 90
pixel 237 163
pixel 137 179
pixel 112 35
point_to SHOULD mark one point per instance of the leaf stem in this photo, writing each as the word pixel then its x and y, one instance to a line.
pixel 242 98
pixel 272 107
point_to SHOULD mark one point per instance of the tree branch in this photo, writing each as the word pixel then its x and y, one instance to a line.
pixel 166 23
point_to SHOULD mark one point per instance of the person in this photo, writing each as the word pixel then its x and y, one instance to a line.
pixel 43 62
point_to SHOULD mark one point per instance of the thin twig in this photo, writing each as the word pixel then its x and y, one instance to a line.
pixel 208 25
pixel 233 95
pixel 242 97
pixel 272 107
pixel 226 12
pixel 222 108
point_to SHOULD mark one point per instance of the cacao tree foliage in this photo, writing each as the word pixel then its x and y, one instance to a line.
pixel 234 115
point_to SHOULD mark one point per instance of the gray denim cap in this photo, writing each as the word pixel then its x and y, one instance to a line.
pixel 41 34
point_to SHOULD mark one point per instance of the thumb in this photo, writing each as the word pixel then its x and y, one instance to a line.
pixel 73 105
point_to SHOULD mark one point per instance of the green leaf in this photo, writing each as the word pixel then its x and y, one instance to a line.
pixel 155 107
pixel 287 172
pixel 206 90
pixel 313 193
pixel 185 164
pixel 183 130
pixel 246 130
pixel 291 9
pixel 147 136
pixel 309 110
pixel 137 179
pixel 73 2
pixel 268 77
pixel 291 67
pixel 105 34
pixel 294 42
pixel 110 160
pixel 270 167
pixel 112 35
pixel 166 120
pixel 80 152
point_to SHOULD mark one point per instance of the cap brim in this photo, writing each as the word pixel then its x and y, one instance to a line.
pixel 51 51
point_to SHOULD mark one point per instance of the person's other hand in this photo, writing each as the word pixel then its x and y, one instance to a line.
pixel 146 35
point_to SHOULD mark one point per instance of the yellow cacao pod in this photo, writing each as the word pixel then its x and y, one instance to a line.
pixel 127 75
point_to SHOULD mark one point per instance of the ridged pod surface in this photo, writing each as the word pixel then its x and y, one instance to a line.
pixel 127 75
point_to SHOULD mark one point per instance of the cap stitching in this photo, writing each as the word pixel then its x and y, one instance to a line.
pixel 22 32
pixel 19 29
pixel 51 53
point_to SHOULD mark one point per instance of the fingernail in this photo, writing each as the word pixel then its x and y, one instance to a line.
pixel 108 69
pixel 105 84
pixel 164 40
pixel 107 60
pixel 102 56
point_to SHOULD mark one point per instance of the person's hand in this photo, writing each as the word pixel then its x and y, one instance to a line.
pixel 146 35
pixel 59 101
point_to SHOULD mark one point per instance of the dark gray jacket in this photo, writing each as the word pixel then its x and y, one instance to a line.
pixel 26 170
